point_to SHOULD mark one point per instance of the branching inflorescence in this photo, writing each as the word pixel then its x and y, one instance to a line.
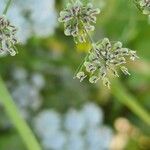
pixel 105 56
pixel 7 36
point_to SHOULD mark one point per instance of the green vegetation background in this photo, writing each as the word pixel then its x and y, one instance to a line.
pixel 119 20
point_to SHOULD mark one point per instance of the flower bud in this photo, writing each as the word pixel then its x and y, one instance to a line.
pixel 81 76
pixel 125 70
pixel 93 79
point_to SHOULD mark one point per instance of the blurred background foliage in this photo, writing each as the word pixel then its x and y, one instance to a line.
pixel 50 62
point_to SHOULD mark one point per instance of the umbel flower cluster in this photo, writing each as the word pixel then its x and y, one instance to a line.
pixel 7 37
pixel 78 19
pixel 145 6
pixel 104 58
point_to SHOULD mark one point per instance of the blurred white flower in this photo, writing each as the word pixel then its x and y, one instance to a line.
pixel 99 138
pixel 24 29
pixel 27 98
pixel 75 142
pixel 46 123
pixel 26 92
pixel 38 80
pixel 19 74
pixel 74 121
pixel 55 141
pixel 93 114
pixel 93 139
pixel 106 136
pixel 69 132
pixel 44 22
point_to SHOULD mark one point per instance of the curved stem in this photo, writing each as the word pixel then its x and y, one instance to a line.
pixel 89 36
pixel 17 120
pixel 91 41
pixel 80 66
pixel 13 113
pixel 7 7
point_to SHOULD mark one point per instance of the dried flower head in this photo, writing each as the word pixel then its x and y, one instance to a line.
pixel 103 58
pixel 7 36
pixel 78 19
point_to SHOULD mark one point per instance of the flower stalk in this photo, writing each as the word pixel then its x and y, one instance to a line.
pixel 16 119
pixel 127 99
pixel 7 45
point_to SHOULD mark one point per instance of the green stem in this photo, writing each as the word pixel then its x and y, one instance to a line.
pixel 7 7
pixel 91 41
pixel 80 66
pixel 89 36
pixel 12 111
pixel 17 120
pixel 121 94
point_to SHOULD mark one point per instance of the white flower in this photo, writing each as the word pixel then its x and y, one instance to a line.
pixel 19 74
pixel 99 138
pixel 93 139
pixel 47 122
pixel 26 98
pixel 44 22
pixel 74 121
pixel 73 132
pixel 38 80
pixel 75 142
pixel 55 141
pixel 106 136
pixel 93 115
pixel 24 29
